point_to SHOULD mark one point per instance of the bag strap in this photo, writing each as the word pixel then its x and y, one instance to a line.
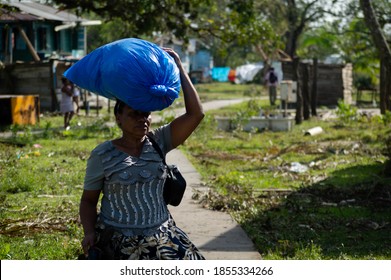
pixel 157 148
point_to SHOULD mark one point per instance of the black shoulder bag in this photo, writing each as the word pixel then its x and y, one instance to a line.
pixel 175 185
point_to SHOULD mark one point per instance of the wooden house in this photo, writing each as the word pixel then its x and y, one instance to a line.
pixel 27 26
pixel 334 81
pixel 37 44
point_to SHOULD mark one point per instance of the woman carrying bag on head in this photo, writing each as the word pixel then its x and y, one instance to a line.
pixel 134 221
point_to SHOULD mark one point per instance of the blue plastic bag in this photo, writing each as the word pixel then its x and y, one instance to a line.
pixel 135 71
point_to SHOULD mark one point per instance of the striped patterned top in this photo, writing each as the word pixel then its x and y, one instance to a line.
pixel 132 187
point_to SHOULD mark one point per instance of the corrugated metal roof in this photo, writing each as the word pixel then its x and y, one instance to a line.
pixel 6 15
pixel 43 11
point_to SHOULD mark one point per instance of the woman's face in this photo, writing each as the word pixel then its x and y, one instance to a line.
pixel 133 122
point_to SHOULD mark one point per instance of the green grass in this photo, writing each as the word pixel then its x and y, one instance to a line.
pixel 218 91
pixel 338 209
pixel 41 176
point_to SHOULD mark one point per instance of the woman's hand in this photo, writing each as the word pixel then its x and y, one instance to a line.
pixel 174 55
pixel 88 242
pixel 88 216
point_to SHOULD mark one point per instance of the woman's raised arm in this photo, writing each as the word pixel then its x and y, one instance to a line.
pixel 184 125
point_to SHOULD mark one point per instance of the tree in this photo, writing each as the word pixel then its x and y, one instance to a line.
pixel 227 27
pixel 319 42
pixel 142 17
pixel 299 14
pixel 384 53
pixel 234 26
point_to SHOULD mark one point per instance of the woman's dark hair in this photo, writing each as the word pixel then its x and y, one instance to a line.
pixel 119 106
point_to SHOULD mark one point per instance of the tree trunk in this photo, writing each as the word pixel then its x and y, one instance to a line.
pixel 387 91
pixel 306 91
pixel 292 34
pixel 385 87
pixel 383 50
pixel 291 43
pixel 314 91
pixel 299 102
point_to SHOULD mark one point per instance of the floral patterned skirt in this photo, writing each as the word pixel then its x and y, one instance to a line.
pixel 169 243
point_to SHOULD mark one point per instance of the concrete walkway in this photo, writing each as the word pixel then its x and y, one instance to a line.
pixel 215 233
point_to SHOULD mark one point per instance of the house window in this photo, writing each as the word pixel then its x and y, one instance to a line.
pixel 43 38
pixel 65 40
pixel 4 38
pixel 80 38
pixel 20 44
